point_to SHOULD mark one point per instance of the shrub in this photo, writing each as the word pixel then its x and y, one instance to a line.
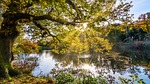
pixel 65 78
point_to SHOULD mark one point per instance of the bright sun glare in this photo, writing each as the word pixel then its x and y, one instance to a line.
pixel 88 67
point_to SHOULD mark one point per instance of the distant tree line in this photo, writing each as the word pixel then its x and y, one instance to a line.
pixel 132 35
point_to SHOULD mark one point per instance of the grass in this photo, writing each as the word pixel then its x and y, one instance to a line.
pixel 26 79
pixel 61 78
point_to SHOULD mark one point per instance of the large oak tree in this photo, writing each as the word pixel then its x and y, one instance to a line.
pixel 57 12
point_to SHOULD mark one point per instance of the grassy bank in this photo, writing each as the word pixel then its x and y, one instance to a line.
pixel 61 78
pixel 26 79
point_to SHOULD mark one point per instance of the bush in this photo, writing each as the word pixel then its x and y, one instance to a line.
pixel 25 46
pixel 65 78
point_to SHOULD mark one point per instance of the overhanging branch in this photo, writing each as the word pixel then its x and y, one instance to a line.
pixel 79 14
pixel 70 3
pixel 43 17
pixel 46 31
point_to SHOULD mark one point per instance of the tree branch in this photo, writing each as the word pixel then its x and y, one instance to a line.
pixel 44 29
pixel 28 5
pixel 43 17
pixel 79 14
pixel 70 3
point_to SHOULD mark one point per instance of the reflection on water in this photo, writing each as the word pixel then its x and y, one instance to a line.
pixel 45 64
pixel 118 65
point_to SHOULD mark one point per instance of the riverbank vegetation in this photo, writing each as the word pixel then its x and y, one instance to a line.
pixel 67 78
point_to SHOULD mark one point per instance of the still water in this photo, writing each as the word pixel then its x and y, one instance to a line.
pixel 113 64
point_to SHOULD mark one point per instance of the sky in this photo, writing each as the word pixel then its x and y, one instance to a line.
pixel 139 7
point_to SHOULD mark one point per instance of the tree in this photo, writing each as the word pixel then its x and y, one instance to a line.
pixel 39 18
pixel 81 41
pixel 25 46
pixel 143 22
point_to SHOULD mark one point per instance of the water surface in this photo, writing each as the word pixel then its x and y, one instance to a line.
pixel 115 64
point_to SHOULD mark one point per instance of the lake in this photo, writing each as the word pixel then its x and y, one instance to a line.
pixel 113 64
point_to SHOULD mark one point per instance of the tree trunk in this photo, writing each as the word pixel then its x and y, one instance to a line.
pixel 8 33
pixel 6 70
